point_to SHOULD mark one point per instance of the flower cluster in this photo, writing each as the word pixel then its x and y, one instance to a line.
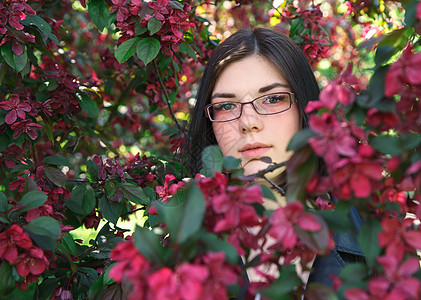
pixel 403 80
pixel 11 13
pixel 17 248
pixel 206 278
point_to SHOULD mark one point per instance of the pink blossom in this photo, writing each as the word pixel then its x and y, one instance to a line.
pixel 10 240
pixel 26 126
pixel 285 218
pixel 31 262
pixel 357 176
pixel 404 71
pixel 17 109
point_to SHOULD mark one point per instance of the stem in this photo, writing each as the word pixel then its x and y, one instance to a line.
pixel 166 97
pixel 281 190
pixel 132 211
pixel 261 173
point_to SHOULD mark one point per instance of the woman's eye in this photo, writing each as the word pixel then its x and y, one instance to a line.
pixel 275 99
pixel 227 106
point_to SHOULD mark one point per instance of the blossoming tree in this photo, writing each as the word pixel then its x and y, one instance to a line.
pixel 92 91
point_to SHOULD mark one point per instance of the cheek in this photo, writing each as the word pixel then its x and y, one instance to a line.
pixel 226 137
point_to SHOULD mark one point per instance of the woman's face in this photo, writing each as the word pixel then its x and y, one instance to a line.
pixel 254 136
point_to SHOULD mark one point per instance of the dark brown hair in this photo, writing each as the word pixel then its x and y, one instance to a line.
pixel 276 48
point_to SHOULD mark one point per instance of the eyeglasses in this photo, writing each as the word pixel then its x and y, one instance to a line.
pixel 268 104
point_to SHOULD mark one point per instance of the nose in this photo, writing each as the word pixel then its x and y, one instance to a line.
pixel 250 120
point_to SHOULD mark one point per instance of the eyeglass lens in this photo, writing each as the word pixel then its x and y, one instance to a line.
pixel 266 105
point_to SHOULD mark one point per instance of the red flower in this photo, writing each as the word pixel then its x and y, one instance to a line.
pixel 235 208
pixel 191 280
pixel 357 176
pixel 26 126
pixel 17 109
pixel 11 239
pixel 32 262
pixel 398 238
pixel 162 284
pixel 335 138
pixel 122 12
pixel 220 275
pixel 285 218
pixel 160 9
pixel 403 72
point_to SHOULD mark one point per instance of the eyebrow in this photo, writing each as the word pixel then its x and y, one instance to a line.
pixel 261 90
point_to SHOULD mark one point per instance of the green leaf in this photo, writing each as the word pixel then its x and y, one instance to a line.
pixel 7 281
pixel 148 244
pixel 92 171
pixel 4 139
pixel 154 25
pixel 56 176
pixel 47 287
pixel 215 244
pixel 411 13
pixel 387 144
pixel 213 160
pixel 19 168
pixel 231 163
pixel 338 219
pixel 354 272
pixel 126 50
pixel 42 25
pixel 14 61
pixel 139 29
pixel 96 289
pixel 150 192
pixel 147 49
pixel 300 139
pixel 82 200
pixel 285 284
pixel 109 209
pixel 31 200
pixel 88 105
pixel 57 159
pixel 99 13
pixel 87 276
pixel 134 193
pixel 44 231
pixel 4 206
pixel 297 27
pixel 187 49
pixel 69 243
pixel 185 219
pixel 376 86
pixel 268 193
pixel 367 239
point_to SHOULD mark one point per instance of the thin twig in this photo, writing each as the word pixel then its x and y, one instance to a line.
pixel 132 211
pixel 262 173
pixel 166 97
pixel 277 187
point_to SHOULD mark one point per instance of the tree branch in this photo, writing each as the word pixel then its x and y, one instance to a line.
pixel 166 97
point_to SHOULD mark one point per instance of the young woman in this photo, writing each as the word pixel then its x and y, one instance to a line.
pixel 251 102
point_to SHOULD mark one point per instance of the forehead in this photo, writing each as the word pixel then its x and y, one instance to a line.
pixel 248 75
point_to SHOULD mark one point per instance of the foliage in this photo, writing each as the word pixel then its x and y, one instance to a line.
pixel 92 91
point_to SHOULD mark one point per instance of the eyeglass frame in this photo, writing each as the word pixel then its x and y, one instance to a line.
pixel 291 98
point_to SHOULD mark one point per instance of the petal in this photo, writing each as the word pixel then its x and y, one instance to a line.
pixel 360 185
pixel 11 117
pixel 308 222
pixel 413 238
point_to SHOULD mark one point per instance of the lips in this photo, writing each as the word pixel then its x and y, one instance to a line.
pixel 254 150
